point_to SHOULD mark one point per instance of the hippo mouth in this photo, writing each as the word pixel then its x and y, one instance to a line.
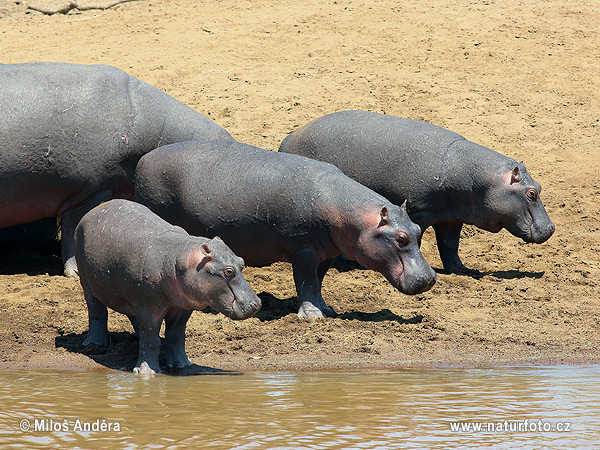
pixel 416 283
pixel 533 234
pixel 243 309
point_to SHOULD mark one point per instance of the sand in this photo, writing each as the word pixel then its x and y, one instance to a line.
pixel 520 77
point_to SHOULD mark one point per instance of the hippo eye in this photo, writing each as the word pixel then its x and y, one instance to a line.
pixel 228 272
pixel 531 195
pixel 402 239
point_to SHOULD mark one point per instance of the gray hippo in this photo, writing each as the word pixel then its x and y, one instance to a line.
pixel 134 262
pixel 446 180
pixel 270 206
pixel 71 135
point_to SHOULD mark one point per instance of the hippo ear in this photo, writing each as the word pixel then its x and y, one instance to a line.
pixel 218 239
pixel 205 249
pixel 515 177
pixel 403 206
pixel 384 216
pixel 199 256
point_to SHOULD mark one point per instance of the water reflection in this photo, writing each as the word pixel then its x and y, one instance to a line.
pixel 404 408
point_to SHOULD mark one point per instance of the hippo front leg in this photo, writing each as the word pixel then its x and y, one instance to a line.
pixel 68 222
pixel 448 236
pixel 149 347
pixel 308 277
pixel 174 342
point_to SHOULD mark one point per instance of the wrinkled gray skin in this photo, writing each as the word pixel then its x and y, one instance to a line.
pixel 71 135
pixel 446 180
pixel 134 262
pixel 270 206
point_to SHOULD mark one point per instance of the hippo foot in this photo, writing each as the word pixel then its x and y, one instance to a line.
pixel 458 269
pixel 70 273
pixel 144 369
pixel 70 268
pixel 312 313
pixel 177 360
pixel 96 339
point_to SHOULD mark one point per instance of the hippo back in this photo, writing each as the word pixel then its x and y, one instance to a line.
pixel 238 191
pixel 68 131
pixel 397 157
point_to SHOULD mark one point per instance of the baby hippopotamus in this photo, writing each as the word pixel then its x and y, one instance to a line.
pixel 446 179
pixel 270 206
pixel 134 262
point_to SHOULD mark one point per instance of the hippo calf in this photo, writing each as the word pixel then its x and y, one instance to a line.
pixel 446 180
pixel 71 135
pixel 270 206
pixel 132 261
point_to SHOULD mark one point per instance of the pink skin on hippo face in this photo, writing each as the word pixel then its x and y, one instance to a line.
pixel 515 204
pixel 215 273
pixel 389 245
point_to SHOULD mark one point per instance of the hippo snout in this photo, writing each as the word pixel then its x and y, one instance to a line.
pixel 541 232
pixel 418 282
pixel 417 276
pixel 245 307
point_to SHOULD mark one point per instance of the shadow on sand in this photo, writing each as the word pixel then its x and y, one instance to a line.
pixel 121 354
pixel 503 274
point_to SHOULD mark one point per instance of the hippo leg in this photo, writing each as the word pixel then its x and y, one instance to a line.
pixel 149 348
pixel 98 320
pixel 68 221
pixel 308 277
pixel 134 324
pixel 174 342
pixel 447 236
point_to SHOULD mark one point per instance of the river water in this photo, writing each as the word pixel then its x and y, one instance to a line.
pixel 429 408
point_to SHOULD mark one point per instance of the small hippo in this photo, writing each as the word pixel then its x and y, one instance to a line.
pixel 270 206
pixel 71 135
pixel 134 262
pixel 446 180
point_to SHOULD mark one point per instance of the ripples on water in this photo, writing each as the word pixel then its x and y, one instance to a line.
pixel 404 408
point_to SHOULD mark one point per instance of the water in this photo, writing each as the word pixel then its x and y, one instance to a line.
pixel 363 409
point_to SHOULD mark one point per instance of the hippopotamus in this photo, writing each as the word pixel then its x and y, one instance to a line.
pixel 134 262
pixel 446 180
pixel 71 135
pixel 270 206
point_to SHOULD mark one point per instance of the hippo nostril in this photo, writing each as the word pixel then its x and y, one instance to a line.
pixel 243 310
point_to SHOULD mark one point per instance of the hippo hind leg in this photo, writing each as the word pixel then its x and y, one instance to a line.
pixel 68 221
pixel 98 320
pixel 308 277
pixel 448 236
pixel 174 343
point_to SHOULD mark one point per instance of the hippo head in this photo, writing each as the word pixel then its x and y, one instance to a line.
pixel 212 274
pixel 515 204
pixel 389 244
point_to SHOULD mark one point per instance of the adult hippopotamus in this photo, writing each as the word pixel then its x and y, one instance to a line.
pixel 134 262
pixel 270 206
pixel 71 135
pixel 446 180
